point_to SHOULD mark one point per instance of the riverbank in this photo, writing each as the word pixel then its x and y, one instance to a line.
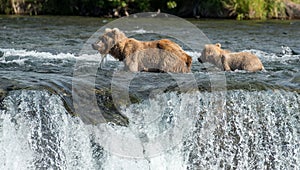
pixel 233 9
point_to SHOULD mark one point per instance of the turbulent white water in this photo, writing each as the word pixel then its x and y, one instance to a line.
pixel 37 133
pixel 261 131
pixel 243 130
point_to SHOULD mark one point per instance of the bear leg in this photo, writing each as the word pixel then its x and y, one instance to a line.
pixel 225 64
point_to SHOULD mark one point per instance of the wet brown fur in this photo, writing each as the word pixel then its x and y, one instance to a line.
pixel 160 56
pixel 229 61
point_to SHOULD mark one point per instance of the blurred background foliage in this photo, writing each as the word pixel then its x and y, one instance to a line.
pixel 238 9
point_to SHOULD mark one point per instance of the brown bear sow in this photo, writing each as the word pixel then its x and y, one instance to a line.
pixel 229 61
pixel 153 56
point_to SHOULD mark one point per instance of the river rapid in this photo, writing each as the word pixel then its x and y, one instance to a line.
pixel 60 108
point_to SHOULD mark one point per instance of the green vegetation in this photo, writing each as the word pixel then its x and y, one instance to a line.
pixel 256 9
pixel 239 9
pixel 5 7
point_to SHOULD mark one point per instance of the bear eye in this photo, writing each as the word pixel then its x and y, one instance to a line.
pixel 104 40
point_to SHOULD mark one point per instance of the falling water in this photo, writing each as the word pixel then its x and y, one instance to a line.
pixel 246 130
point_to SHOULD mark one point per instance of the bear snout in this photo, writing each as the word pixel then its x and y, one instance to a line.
pixel 95 46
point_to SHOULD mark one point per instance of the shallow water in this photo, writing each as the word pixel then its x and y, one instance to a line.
pixel 58 112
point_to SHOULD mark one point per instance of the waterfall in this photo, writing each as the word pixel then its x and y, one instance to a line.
pixel 195 130
pixel 260 131
pixel 38 133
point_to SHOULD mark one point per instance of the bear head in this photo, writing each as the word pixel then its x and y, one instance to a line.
pixel 107 41
pixel 210 52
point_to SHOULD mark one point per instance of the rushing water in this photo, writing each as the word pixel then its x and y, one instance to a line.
pixel 203 120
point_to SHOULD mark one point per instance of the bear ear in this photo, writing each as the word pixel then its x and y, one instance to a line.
pixel 218 45
pixel 115 29
pixel 108 30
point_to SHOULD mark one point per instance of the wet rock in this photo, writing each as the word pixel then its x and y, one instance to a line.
pixel 1 54
pixel 2 95
pixel 287 51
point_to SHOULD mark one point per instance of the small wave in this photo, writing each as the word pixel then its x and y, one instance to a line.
pixel 273 56
pixel 8 56
pixel 288 51
pixel 21 54
pixel 95 57
pixel 18 61
pixel 139 31
pixel 195 55
pixel 26 53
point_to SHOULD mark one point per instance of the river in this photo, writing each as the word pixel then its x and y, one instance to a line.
pixel 60 108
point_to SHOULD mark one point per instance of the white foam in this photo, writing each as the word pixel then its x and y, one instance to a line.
pixel 23 55
pixel 154 137
pixel 272 56
pixel 36 132
pixel 26 53
pixel 139 31
pixel 95 57
pixel 19 61
pixel 194 54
